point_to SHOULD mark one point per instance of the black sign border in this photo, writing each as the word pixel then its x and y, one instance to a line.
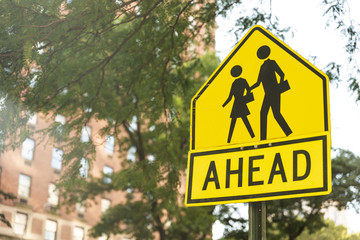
pixel 324 188
pixel 285 48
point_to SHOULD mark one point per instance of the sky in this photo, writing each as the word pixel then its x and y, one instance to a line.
pixel 310 38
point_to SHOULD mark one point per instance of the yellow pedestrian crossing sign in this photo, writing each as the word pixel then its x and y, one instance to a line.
pixel 260 127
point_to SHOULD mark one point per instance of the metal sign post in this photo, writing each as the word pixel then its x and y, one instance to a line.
pixel 257 221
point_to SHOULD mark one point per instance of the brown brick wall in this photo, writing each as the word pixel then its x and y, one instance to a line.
pixel 37 226
pixel 8 217
pixel 65 232
pixel 41 173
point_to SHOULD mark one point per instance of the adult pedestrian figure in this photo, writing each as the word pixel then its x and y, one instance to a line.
pixel 273 90
pixel 239 109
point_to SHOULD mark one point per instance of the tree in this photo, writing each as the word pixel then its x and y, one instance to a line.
pixel 330 232
pixel 129 65
pixel 132 66
pixel 290 218
pixel 235 224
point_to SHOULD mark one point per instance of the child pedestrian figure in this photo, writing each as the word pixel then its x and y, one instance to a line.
pixel 239 109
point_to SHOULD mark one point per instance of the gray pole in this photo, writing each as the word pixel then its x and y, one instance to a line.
pixel 257 221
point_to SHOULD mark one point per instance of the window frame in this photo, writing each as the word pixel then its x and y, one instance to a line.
pixel 18 224
pixel 32 119
pixel 19 192
pixel 80 208
pixel 75 237
pixel 105 207
pixel 107 173
pixel 53 195
pixel 46 230
pixel 56 158
pixel 27 152
pixel 85 134
pixel 84 168
pixel 60 119
pixel 109 144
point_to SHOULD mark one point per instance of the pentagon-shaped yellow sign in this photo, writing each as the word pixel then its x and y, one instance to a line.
pixel 263 94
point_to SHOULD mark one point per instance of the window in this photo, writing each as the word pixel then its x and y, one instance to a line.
pixel 60 119
pixel 80 209
pixel 27 150
pixel 24 186
pixel 56 158
pixel 107 174
pixel 105 204
pixel 84 167
pixel 32 118
pixel 53 198
pixel 34 73
pixel 109 145
pixel 103 237
pixel 78 233
pixel 85 134
pixel 20 223
pixel 50 230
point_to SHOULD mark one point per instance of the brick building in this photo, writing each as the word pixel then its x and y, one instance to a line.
pixel 30 173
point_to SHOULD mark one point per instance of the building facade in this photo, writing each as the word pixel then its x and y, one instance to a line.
pixel 31 172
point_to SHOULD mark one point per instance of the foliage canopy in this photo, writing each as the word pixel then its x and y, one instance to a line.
pixel 132 65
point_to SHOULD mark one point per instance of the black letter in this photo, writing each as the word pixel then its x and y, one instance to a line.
pixel 252 169
pixel 237 171
pixel 277 161
pixel 295 165
pixel 212 169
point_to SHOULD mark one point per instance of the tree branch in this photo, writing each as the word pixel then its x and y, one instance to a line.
pixel 108 59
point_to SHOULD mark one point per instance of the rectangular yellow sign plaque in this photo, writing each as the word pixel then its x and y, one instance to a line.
pixel 281 169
